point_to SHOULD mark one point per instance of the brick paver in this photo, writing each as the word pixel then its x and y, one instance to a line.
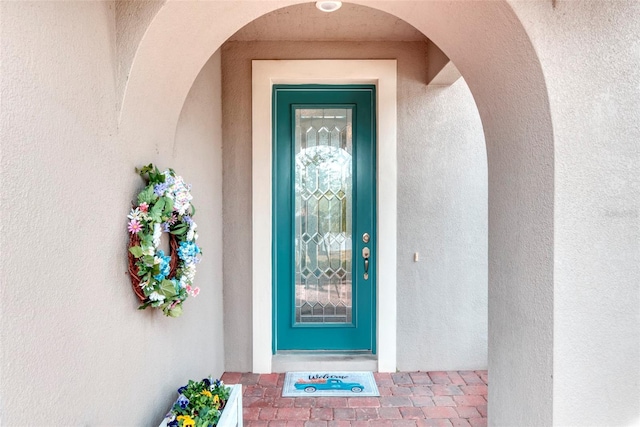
pixel 407 399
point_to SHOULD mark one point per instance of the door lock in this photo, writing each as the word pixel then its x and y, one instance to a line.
pixel 365 254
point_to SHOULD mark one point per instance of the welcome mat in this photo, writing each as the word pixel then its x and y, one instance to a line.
pixel 330 384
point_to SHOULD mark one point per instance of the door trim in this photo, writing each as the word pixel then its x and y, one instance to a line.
pixel 266 73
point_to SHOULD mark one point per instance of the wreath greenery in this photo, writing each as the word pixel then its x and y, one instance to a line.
pixel 164 206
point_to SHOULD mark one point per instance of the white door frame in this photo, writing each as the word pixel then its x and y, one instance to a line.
pixel 266 73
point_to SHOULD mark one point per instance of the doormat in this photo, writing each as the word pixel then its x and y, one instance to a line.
pixel 330 384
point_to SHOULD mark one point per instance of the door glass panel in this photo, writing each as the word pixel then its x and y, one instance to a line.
pixel 323 198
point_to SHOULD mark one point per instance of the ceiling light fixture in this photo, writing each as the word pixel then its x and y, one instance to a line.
pixel 328 6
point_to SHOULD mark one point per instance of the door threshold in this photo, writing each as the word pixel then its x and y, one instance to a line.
pixel 323 361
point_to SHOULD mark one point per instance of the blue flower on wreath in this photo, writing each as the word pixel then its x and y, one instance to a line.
pixel 188 250
pixel 187 219
pixel 165 269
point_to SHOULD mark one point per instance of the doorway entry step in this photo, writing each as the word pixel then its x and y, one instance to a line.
pixel 289 361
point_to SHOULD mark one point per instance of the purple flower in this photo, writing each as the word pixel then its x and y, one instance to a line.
pixel 182 389
pixel 187 219
pixel 173 423
pixel 165 227
pixel 183 401
pixel 206 382
pixel 159 189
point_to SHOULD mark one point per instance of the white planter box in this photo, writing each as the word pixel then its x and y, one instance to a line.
pixel 232 412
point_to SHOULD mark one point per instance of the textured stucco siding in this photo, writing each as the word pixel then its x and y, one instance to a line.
pixel 75 349
pixel 595 102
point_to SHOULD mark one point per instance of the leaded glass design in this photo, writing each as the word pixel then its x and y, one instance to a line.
pixel 323 220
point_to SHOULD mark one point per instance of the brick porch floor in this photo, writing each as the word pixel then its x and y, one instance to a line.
pixel 407 399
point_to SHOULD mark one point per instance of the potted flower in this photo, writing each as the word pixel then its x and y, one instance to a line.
pixel 206 403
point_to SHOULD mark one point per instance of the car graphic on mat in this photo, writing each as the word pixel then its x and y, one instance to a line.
pixel 327 384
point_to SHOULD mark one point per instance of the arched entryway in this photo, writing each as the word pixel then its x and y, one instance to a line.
pixel 492 51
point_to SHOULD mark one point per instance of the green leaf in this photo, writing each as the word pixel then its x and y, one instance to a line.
pixel 142 267
pixel 136 251
pixel 176 311
pixel 145 169
pixel 179 231
pixel 155 176
pixel 156 211
pixel 193 210
pixel 146 239
pixel 159 205
pixel 167 288
pixel 145 305
pixel 168 205
pixel 147 195
pixel 148 259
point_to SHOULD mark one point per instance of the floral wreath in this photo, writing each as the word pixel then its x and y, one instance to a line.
pixel 163 280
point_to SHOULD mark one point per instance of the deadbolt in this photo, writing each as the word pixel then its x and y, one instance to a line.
pixel 365 237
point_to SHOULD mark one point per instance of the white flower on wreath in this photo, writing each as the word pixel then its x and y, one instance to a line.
pixel 183 282
pixel 188 271
pixel 182 202
pixel 157 234
pixel 135 214
pixel 154 296
pixel 191 234
pixel 179 192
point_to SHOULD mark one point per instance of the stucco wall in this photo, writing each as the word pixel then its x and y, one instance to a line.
pixel 442 206
pixel 75 350
pixel 132 20
pixel 595 101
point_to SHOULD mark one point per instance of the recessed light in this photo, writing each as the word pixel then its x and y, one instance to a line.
pixel 328 6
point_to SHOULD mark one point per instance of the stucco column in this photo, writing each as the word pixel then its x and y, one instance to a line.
pixel 590 51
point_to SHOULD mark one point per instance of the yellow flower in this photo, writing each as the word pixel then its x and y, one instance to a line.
pixel 216 399
pixel 206 393
pixel 187 421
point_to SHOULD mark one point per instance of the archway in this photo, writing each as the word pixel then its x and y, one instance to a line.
pixel 492 51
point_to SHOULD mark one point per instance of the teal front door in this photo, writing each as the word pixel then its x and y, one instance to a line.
pixel 324 225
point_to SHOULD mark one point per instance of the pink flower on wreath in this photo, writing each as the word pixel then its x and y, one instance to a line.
pixel 134 226
pixel 144 207
pixel 188 288
pixel 195 292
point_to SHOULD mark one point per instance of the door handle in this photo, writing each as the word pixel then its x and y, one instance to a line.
pixel 365 254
